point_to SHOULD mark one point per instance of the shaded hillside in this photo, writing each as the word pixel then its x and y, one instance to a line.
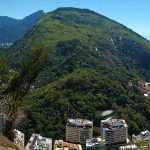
pixel 12 29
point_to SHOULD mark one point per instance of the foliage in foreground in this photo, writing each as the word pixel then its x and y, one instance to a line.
pixel 144 145
pixel 14 103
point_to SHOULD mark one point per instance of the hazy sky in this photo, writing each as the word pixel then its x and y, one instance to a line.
pixel 135 14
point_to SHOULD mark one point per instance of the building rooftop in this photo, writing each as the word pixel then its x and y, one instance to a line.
pixel 128 147
pixel 79 123
pixel 38 142
pixel 114 123
pixel 61 145
pixel 145 135
pixel 95 141
pixel 107 113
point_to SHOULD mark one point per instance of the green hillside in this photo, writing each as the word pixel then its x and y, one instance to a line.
pixel 85 93
pixel 73 34
pixel 92 59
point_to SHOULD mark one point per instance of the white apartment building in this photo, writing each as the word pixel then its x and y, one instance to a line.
pixel 78 130
pixel 114 131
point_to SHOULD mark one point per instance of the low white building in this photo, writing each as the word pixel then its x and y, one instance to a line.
pixel 37 142
pixel 95 144
pixel 19 138
pixel 129 147
pixel 145 135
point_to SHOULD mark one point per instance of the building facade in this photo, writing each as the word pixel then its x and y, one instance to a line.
pixel 19 138
pixel 78 130
pixel 114 131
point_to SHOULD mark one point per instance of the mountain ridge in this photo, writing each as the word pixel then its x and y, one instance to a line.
pixel 52 27
pixel 13 29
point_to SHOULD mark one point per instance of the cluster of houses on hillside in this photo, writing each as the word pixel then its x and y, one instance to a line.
pixel 145 86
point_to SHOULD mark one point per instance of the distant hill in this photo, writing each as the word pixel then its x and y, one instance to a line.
pixel 92 59
pixel 13 29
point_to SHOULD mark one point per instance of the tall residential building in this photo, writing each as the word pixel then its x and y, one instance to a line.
pixel 37 142
pixel 19 138
pixel 78 130
pixel 114 131
pixel 95 144
pixel 61 145
pixel 2 122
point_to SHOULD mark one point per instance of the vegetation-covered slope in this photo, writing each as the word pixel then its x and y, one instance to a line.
pixel 85 94
pixel 66 31
pixel 92 58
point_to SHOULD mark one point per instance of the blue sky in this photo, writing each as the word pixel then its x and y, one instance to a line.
pixel 134 14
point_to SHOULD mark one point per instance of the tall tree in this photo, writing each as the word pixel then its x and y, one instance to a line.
pixel 14 103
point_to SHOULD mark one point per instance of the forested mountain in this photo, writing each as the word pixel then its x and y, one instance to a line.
pixel 14 29
pixel 91 60
pixel 81 38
